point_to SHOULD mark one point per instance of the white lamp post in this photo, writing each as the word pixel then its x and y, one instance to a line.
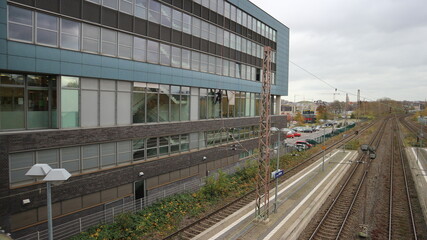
pixel 57 175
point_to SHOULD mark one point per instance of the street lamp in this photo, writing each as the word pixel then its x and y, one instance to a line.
pixel 51 176
pixel 277 173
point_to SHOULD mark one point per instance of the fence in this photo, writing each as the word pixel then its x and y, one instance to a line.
pixel 71 228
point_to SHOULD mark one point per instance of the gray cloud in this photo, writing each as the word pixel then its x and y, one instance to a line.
pixel 377 46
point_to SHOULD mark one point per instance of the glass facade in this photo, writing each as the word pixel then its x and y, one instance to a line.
pixel 59 32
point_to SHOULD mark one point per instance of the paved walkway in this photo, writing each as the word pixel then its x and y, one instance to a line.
pixel 418 162
pixel 299 199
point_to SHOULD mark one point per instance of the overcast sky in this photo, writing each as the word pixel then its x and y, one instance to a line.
pixel 379 47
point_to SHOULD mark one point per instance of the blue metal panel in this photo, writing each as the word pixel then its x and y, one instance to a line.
pixel 109 73
pixel 3 61
pixel 125 64
pixel 48 53
pixel 126 75
pixel 3 32
pixel 3 15
pixel 72 69
pixel 21 63
pixel 21 49
pixel 3 46
pixel 3 4
pixel 110 62
pixel 91 59
pixel 71 56
pixel 139 76
pixel 91 71
pixel 47 66
pixel 140 66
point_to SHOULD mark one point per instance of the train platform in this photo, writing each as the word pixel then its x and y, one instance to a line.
pixel 417 158
pixel 299 198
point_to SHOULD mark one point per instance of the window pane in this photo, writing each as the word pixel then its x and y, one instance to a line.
pixel 177 20
pixel 90 156
pixel 47 29
pixel 203 62
pixel 141 8
pixel 153 51
pixel 124 152
pixel 19 15
pixel 70 159
pixel 91 36
pixel 186 19
pixel 154 11
pixel 152 107
pixel 49 157
pixel 176 57
pixel 126 6
pixel 195 61
pixel 185 59
pixel 125 45
pixel 165 54
pixel 140 49
pixel 89 108
pixel 196 27
pixel 109 42
pixel 38 108
pixel 11 108
pixel 138 149
pixel 108 154
pixel 70 34
pixel 69 108
pixel 185 108
pixel 108 108
pixel 166 16
pixel 138 107
pixel 110 3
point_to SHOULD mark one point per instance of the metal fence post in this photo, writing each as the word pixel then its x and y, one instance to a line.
pixel 38 235
pixel 112 209
pixel 80 224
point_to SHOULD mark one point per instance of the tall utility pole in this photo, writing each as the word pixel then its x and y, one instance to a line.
pixel 263 175
pixel 358 104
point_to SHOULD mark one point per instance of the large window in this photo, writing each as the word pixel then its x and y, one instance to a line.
pixel 69 102
pixel 141 8
pixel 70 34
pixel 91 38
pixel 154 11
pixel 109 42
pixel 152 51
pixel 12 115
pixel 20 24
pixel 47 30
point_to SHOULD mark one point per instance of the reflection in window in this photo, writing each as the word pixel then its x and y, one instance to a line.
pixel 177 20
pixel 164 95
pixel 176 57
pixel 47 29
pixel 186 23
pixel 153 51
pixel 126 6
pixel 138 149
pixel 165 54
pixel 185 59
pixel 196 27
pixel 195 61
pixel 166 16
pixel 154 11
pixel 70 34
pixel 141 8
pixel 152 102
pixel 110 3
pixel 140 49
pixel 138 102
pixel 20 24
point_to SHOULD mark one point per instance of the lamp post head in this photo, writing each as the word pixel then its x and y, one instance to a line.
pixel 57 175
pixel 39 170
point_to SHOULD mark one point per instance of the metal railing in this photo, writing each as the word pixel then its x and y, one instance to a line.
pixel 106 216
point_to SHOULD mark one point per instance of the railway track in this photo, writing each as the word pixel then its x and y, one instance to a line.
pixel 401 216
pixel 332 224
pixel 195 228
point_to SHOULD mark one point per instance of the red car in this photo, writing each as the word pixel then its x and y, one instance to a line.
pixel 296 134
pixel 289 135
pixel 305 143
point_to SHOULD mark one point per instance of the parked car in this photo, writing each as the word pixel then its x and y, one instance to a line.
pixel 300 147
pixel 298 129
pixel 305 143
pixel 289 135
pixel 296 134
pixel 307 130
